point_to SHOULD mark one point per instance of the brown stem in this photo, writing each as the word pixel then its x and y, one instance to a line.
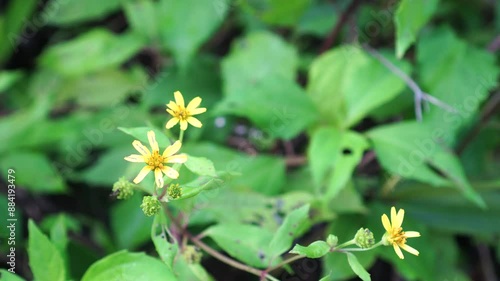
pixel 344 17
pixel 494 46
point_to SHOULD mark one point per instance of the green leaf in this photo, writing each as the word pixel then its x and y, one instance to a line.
pixel 325 278
pixel 13 26
pixel 461 78
pixel 410 17
pixel 412 150
pixel 185 25
pixel 201 166
pixel 44 258
pixel 72 12
pixel 284 12
pixel 34 171
pixel 92 51
pixel 166 250
pixel 357 267
pixel 8 78
pixel 185 270
pixel 143 17
pixel 125 266
pixel 141 133
pixel 315 250
pixel 193 188
pixel 335 153
pixel 130 226
pixel 346 84
pixel 244 242
pixel 5 275
pixel 318 20
pixel 289 230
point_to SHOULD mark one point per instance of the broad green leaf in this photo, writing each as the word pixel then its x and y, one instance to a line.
pixel 255 58
pixel 410 17
pixel 185 25
pixel 200 184
pixel 34 171
pixel 72 12
pixel 166 250
pixel 200 166
pixel 262 102
pixel 318 20
pixel 346 84
pixel 190 271
pixel 141 133
pixel 325 278
pixel 8 78
pixel 335 154
pixel 244 242
pixel 357 267
pixel 462 78
pixel 6 275
pixel 88 90
pixel 283 12
pixel 92 51
pixel 16 26
pixel 289 230
pixel 413 151
pixel 143 16
pixel 315 250
pixel 125 266
pixel 44 258
pixel 131 228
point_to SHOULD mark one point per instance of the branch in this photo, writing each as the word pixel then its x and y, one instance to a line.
pixel 419 94
pixel 338 26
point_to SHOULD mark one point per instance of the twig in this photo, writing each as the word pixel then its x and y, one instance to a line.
pixel 486 263
pixel 285 262
pixel 494 46
pixel 419 94
pixel 295 160
pixel 338 26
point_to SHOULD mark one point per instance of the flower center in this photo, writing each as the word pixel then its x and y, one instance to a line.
pixel 155 160
pixel 397 236
pixel 182 114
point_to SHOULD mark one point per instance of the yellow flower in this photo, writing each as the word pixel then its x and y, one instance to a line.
pixel 395 235
pixel 154 161
pixel 183 114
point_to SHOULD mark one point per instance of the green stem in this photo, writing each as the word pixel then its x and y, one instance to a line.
pixel 350 242
pixel 181 136
pixel 359 249
pixel 287 261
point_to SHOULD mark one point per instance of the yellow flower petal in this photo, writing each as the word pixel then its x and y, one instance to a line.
pixel 386 223
pixel 172 106
pixel 172 122
pixel 412 234
pixel 398 251
pixel 141 148
pixel 172 149
pixel 135 158
pixel 181 158
pixel 152 141
pixel 170 172
pixel 399 219
pixel 184 125
pixel 195 122
pixel 179 100
pixel 158 177
pixel 142 174
pixel 197 111
pixel 393 217
pixel 171 112
pixel 194 103
pixel 409 249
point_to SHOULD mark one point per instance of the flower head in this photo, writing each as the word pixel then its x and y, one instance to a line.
pixel 395 235
pixel 156 161
pixel 150 205
pixel 184 114
pixel 123 189
pixel 364 238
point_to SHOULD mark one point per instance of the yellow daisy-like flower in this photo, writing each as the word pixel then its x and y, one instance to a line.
pixel 395 235
pixel 156 161
pixel 184 114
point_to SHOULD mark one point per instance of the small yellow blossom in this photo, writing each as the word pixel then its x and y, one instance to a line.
pixel 155 161
pixel 183 114
pixel 395 235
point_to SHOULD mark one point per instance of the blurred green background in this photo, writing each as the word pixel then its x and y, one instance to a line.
pixel 296 105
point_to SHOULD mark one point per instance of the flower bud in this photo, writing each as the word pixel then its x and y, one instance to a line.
pixel 123 189
pixel 174 191
pixel 150 205
pixel 332 240
pixel 192 254
pixel 364 238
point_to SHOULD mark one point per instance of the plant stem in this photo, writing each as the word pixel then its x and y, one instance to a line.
pixel 287 261
pixel 181 135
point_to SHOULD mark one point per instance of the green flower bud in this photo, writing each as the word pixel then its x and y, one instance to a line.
pixel 192 254
pixel 150 205
pixel 364 238
pixel 332 240
pixel 174 191
pixel 123 189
